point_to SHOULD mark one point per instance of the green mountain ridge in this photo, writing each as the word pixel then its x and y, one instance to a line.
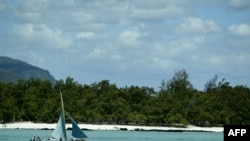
pixel 11 70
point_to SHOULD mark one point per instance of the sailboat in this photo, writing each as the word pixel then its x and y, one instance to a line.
pixel 59 134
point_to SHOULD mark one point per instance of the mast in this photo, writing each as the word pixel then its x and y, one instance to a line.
pixel 63 119
pixel 60 130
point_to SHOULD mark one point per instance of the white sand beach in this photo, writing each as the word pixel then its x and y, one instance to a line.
pixel 31 125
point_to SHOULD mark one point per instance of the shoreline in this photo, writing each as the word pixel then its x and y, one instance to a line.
pixel 107 127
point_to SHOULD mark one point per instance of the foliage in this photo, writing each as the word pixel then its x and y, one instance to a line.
pixel 177 102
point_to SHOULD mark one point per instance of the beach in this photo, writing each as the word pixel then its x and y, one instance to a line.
pixel 47 126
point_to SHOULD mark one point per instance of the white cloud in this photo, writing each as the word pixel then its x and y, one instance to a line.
pixel 163 63
pixel 82 14
pixel 40 34
pixel 96 54
pixel 239 4
pixel 116 57
pixel 29 16
pixel 169 10
pixel 215 60
pixel 85 35
pixel 197 25
pixel 163 36
pixel 3 6
pixel 131 37
pixel 184 46
pixel 238 60
pixel 25 31
pixel 162 8
pixel 232 4
pixel 240 29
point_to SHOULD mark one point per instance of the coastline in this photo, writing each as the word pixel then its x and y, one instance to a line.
pixel 48 126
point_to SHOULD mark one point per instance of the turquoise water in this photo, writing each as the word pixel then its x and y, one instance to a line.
pixel 25 135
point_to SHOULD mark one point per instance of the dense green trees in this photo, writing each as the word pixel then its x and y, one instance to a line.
pixel 177 102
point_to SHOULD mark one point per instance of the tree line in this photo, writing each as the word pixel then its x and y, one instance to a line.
pixel 177 102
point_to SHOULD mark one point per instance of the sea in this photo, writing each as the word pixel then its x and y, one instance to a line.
pixel 27 134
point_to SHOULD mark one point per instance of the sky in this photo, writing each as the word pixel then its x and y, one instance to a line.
pixel 130 42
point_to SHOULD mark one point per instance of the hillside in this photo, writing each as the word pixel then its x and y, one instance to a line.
pixel 11 70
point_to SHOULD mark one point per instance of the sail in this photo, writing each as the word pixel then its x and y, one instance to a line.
pixel 77 133
pixel 60 130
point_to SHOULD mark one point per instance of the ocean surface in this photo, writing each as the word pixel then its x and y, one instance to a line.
pixel 26 135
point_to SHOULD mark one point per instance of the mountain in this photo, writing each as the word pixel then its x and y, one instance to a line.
pixel 11 70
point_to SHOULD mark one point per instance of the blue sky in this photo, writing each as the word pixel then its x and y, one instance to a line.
pixel 132 42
